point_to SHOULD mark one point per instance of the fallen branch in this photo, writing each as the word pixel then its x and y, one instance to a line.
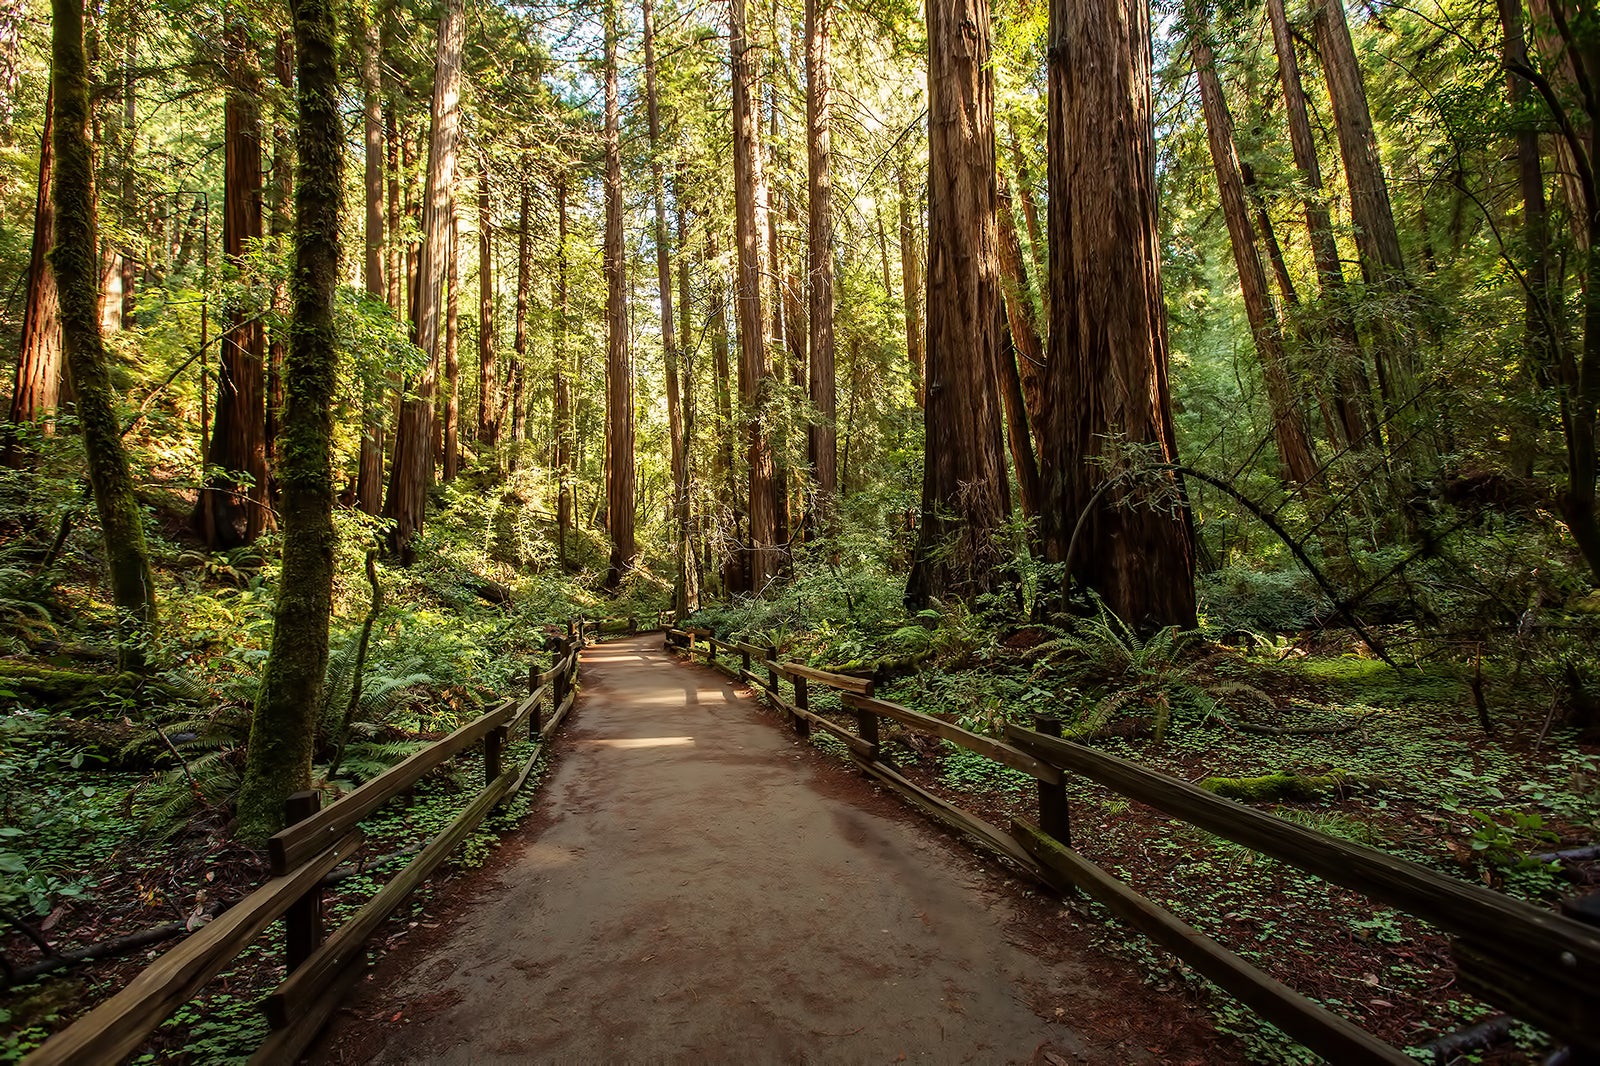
pixel 1480 1037
pixel 116 946
pixel 1585 854
pixel 1284 786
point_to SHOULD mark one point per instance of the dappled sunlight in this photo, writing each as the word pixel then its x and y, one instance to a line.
pixel 638 742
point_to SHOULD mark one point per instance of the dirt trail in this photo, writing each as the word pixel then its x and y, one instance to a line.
pixel 698 886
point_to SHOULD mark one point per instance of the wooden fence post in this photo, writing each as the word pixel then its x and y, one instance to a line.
pixel 867 726
pixel 1053 814
pixel 744 662
pixel 302 922
pixel 633 625
pixel 802 700
pixel 561 674
pixel 494 742
pixel 772 669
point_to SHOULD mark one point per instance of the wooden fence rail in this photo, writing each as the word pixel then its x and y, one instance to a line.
pixel 1530 962
pixel 321 968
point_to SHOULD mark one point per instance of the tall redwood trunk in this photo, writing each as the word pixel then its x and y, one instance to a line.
pixel 488 371
pixel 1021 358
pixel 369 469
pixel 232 508
pixel 724 474
pixel 911 289
pixel 1347 373
pixel 452 351
pixel 669 346
pixel 36 388
pixel 412 470
pixel 1540 337
pixel 1288 424
pixel 562 428
pixel 750 227
pixel 965 495
pixel 1377 239
pixel 281 201
pixel 822 436
pixel 517 372
pixel 1107 361
pixel 619 360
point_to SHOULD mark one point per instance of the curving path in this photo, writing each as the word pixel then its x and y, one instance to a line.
pixel 697 886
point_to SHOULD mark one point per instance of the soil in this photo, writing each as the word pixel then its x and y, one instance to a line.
pixel 698 885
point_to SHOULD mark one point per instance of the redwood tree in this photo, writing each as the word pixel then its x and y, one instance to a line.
pixel 36 388
pixel 232 509
pixel 750 234
pixel 822 438
pixel 1106 374
pixel 411 472
pixel 965 498
pixel 619 362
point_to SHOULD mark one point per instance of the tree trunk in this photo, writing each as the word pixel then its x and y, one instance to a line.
pixel 1377 240
pixel 822 437
pixel 1107 361
pixel 965 496
pixel 452 351
pixel 369 472
pixel 395 276
pixel 1288 424
pixel 750 225
pixel 562 429
pixel 686 346
pixel 283 727
pixel 1026 337
pixel 669 346
pixel 1540 339
pixel 1024 460
pixel 77 275
pixel 1347 376
pixel 518 370
pixel 911 290
pixel 488 373
pixel 619 360
pixel 232 509
pixel 36 389
pixel 412 470
pixel 724 475
pixel 282 221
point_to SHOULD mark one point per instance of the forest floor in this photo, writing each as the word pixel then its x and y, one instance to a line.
pixel 698 885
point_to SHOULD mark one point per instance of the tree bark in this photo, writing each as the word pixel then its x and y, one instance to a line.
pixel 1107 361
pixel 411 473
pixel 369 471
pixel 1347 376
pixel 750 226
pixel 77 273
pixel 822 436
pixel 452 351
pixel 619 359
pixel 36 389
pixel 1540 338
pixel 283 727
pixel 1377 240
pixel 488 372
pixel 232 509
pixel 911 290
pixel 279 227
pixel 965 495
pixel 517 371
pixel 562 429
pixel 1288 424
pixel 724 474
pixel 669 346
pixel 1026 337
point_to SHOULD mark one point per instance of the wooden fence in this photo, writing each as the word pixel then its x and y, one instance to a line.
pixel 1532 963
pixel 321 968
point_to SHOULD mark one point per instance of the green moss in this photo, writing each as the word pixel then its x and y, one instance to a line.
pixel 1284 786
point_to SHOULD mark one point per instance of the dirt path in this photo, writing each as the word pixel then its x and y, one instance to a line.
pixel 698 886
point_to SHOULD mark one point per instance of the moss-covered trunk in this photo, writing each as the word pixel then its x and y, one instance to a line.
pixel 284 725
pixel 78 289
